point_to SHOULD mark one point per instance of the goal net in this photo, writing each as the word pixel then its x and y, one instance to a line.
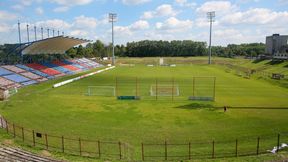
pixel 164 90
pixel 101 91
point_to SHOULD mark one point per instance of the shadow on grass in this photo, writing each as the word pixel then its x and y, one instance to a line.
pixel 257 61
pixel 274 62
pixel 195 106
pixel 259 108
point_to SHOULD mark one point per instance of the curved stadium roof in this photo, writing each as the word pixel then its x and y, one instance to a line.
pixel 54 45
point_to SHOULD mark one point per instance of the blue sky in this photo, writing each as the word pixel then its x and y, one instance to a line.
pixel 237 21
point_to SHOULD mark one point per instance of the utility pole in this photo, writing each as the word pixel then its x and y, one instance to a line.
pixel 211 18
pixel 112 19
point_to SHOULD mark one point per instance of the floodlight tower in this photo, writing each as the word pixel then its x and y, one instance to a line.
pixel 211 18
pixel 112 19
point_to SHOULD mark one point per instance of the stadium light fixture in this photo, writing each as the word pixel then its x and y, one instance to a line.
pixel 211 18
pixel 19 32
pixel 28 33
pixel 112 19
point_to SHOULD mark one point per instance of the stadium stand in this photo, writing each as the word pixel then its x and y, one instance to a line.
pixel 34 71
pixel 58 68
pixel 4 72
pixel 69 67
pixel 74 64
pixel 13 68
pixel 43 69
pixel 5 82
pixel 31 75
pixel 16 78
pixel 29 82
pixel 22 75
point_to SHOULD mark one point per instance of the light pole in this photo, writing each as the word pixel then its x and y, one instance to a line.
pixel 112 19
pixel 211 18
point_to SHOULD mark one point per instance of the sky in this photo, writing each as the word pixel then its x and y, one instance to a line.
pixel 236 21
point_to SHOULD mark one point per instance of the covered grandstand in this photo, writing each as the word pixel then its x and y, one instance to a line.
pixel 19 75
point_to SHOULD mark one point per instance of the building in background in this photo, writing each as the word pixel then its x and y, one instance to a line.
pixel 277 46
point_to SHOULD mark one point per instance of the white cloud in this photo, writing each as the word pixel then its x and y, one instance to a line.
pixel 71 2
pixel 257 16
pixel 220 7
pixel 162 10
pixel 61 9
pixel 173 24
pixel 6 16
pixel 54 23
pixel 134 2
pixel 65 5
pixel 139 25
pixel 39 10
pixel 185 3
pixel 79 33
pixel 83 22
pixel 4 28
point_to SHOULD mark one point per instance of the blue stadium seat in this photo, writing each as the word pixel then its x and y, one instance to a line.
pixel 33 70
pixel 16 78
pixel 58 68
pixel 74 64
pixel 29 82
pixel 4 72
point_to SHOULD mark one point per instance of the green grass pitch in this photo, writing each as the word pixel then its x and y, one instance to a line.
pixel 68 111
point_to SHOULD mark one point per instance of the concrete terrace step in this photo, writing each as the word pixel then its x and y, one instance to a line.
pixel 8 153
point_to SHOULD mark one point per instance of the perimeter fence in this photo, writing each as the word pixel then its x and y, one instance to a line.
pixel 148 151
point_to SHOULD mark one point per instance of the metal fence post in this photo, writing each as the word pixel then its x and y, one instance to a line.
pixel 236 148
pixel 189 150
pixel 142 151
pixel 62 143
pixel 46 141
pixel 14 133
pixel 7 125
pixel 278 142
pixel 165 150
pixel 22 130
pixel 99 151
pixel 80 147
pixel 33 136
pixel 213 149
pixel 258 144
pixel 120 151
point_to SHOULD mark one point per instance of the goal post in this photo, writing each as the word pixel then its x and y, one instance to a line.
pixel 101 91
pixel 164 90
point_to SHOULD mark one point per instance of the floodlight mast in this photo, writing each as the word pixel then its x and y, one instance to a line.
pixel 112 19
pixel 211 18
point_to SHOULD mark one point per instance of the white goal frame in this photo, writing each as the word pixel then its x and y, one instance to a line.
pixel 98 89
pixel 159 90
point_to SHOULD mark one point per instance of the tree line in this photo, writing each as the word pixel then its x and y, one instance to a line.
pixel 145 48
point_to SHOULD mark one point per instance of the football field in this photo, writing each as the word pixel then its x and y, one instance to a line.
pixel 89 108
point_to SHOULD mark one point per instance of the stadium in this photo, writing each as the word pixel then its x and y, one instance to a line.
pixel 66 98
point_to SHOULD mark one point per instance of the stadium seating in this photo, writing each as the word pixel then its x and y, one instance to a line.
pixel 13 68
pixel 29 82
pixel 31 75
pixel 43 69
pixel 58 68
pixel 16 78
pixel 5 82
pixel 74 64
pixel 4 72
pixel 70 67
pixel 22 75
